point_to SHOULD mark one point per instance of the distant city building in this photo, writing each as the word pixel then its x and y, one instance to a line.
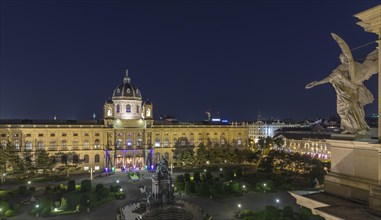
pixel 127 138
pixel 266 129
pixel 305 140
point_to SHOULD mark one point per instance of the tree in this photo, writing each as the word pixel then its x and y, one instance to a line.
pixel 44 162
pixel 202 154
pixel 13 161
pixel 279 142
pixel 68 165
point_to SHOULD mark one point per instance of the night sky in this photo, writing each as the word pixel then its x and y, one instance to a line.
pixel 65 58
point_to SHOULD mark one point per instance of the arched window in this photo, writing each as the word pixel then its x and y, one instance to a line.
pixel 191 141
pixel 3 143
pixel 137 109
pixel 64 159
pixel 157 142
pixel 97 144
pixel 118 143
pixel 86 144
pixel 86 158
pixel 223 142
pixel 16 143
pixel 166 155
pixel 182 142
pixel 64 144
pixel 128 108
pixel 139 143
pixel 96 158
pixel 158 157
pixel 75 144
pixel 28 145
pixel 117 108
pixel 40 145
pixel 166 142
pixel 52 145
pixel 75 159
pixel 129 143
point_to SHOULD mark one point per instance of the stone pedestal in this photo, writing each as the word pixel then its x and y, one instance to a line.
pixel 355 172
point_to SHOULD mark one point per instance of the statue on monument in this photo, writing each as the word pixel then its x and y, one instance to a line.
pixel 351 94
pixel 162 168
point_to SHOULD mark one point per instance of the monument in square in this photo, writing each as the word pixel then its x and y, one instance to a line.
pixel 352 189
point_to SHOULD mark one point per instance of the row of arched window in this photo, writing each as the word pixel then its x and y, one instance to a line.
pixel 127 109
pixel 86 158
pixel 52 144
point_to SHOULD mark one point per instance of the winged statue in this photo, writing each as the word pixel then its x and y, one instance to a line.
pixel 351 94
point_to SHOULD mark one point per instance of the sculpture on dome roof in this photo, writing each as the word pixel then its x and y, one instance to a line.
pixel 351 94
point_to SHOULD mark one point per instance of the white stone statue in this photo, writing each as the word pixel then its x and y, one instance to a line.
pixel 351 94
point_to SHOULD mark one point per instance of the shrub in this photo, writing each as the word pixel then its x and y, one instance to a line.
pixel 98 187
pixel 32 189
pixel 64 203
pixel 204 189
pixel 103 192
pixel 23 190
pixel 79 208
pixel 9 213
pixel 16 207
pixel 4 205
pixel 180 186
pixel 85 200
pixel 115 188
pixel 70 185
pixel 86 185
pixel 47 188
pixel 234 187
pixel 120 195
pixel 288 212
pixel 186 177
pixel 33 211
pixel 45 212
pixel 271 213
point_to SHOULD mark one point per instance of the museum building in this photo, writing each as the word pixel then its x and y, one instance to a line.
pixel 127 138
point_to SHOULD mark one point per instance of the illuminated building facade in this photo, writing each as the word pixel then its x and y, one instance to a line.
pixel 127 138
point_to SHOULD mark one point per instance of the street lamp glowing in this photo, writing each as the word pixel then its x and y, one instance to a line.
pixel 244 186
pixel 37 206
pixel 55 209
pixel 205 170
pixel 29 182
pixel 264 184
pixel 121 190
pixel 117 181
pixel 277 200
pixel 220 169
pixel 239 205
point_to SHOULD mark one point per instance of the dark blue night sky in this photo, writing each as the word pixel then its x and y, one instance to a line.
pixel 64 58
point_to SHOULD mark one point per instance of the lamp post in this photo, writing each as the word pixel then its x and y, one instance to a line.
pixel 264 188
pixel 277 201
pixel 243 189
pixel 239 210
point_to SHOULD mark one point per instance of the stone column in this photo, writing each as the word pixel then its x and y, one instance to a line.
pixel 370 20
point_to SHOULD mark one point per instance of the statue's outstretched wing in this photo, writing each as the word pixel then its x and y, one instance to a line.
pixel 370 65
pixel 347 52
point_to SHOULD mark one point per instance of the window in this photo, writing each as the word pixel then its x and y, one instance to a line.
pixel 117 108
pixel 52 135
pixel 28 135
pixel 166 155
pixel 166 142
pixel 239 142
pixel 75 159
pixel 128 108
pixel 52 144
pixel 16 143
pixel 128 91
pixel 86 144
pixel 96 158
pixel 75 144
pixel 28 145
pixel 86 134
pixel 41 135
pixel 64 159
pixel 15 135
pixel 137 109
pixel 97 144
pixel 97 134
pixel 63 134
pixel 86 158
pixel 129 143
pixel 75 134
pixel 182 143
pixel 118 143
pixel 64 144
pixel 223 141
pixel 139 143
pixel 40 145
pixel 3 143
pixel 191 142
pixel 157 142
pixel 3 135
